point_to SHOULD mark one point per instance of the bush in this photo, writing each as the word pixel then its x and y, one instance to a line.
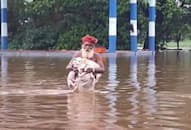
pixel 72 39
pixel 43 38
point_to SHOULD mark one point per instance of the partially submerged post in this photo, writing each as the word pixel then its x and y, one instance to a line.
pixel 112 25
pixel 152 18
pixel 4 34
pixel 133 22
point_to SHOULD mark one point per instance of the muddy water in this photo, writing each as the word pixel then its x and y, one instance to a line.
pixel 137 92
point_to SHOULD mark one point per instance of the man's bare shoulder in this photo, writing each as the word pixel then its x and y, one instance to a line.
pixel 97 55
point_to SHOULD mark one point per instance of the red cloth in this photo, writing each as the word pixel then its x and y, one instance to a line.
pixel 89 39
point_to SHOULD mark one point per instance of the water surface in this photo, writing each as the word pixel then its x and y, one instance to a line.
pixel 139 92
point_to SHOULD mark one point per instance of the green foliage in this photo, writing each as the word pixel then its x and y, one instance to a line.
pixel 170 20
pixel 71 39
pixel 16 15
pixel 60 24
pixel 123 33
pixel 143 20
pixel 43 38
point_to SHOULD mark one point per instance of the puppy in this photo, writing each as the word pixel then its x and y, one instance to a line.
pixel 81 79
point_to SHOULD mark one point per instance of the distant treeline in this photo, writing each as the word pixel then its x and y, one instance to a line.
pixel 60 24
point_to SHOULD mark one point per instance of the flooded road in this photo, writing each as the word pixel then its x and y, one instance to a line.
pixel 136 92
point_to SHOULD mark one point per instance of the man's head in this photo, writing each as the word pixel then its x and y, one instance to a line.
pixel 88 46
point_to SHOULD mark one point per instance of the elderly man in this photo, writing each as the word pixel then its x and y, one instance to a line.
pixel 86 66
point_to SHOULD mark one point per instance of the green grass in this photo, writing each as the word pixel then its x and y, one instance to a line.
pixel 183 44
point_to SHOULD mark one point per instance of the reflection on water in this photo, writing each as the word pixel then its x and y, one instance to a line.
pixel 29 72
pixel 133 72
pixel 135 94
pixel 150 92
pixel 140 92
pixel 4 69
pixel 151 71
pixel 112 96
pixel 82 111
pixel 143 98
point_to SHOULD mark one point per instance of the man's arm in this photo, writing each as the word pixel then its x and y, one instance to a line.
pixel 69 67
pixel 99 60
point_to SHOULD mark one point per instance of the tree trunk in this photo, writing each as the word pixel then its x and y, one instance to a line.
pixel 178 37
pixel 177 42
pixel 146 43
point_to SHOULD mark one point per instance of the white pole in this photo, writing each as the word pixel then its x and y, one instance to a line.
pixel 152 18
pixel 4 33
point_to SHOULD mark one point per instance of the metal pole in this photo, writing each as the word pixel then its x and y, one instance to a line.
pixel 152 18
pixel 133 22
pixel 112 25
pixel 4 34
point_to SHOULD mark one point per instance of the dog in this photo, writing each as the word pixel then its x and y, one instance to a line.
pixel 80 79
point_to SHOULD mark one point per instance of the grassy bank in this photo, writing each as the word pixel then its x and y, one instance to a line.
pixel 172 45
pixel 183 44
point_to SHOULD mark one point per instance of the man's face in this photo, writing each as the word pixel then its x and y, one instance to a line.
pixel 88 50
pixel 88 46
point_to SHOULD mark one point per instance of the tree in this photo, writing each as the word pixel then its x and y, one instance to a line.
pixel 60 24
pixel 63 17
pixel 170 22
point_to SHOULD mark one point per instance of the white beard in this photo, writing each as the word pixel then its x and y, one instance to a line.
pixel 87 54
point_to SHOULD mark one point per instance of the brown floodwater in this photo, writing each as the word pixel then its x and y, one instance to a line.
pixel 143 92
